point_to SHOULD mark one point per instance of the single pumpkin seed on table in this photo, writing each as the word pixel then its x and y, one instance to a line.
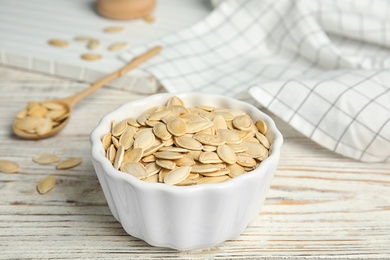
pixel 93 44
pixel 69 163
pixel 117 46
pixel 58 42
pixel 7 166
pixel 91 56
pixel 46 158
pixel 46 184
pixel 114 29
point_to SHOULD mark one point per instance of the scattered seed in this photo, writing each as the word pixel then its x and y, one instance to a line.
pixel 58 42
pixel 69 163
pixel 93 44
pixel 117 46
pixel 46 184
pixel 46 158
pixel 114 29
pixel 7 166
pixel 91 56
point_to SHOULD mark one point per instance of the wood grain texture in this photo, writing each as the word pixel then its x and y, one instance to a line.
pixel 320 205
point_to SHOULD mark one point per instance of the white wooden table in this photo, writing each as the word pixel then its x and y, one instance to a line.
pixel 319 205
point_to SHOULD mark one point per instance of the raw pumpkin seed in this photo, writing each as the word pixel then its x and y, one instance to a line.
pixel 7 166
pixel 69 163
pixel 46 184
pixel 58 42
pixel 46 158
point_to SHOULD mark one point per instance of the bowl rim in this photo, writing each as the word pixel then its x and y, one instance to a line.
pixel 97 146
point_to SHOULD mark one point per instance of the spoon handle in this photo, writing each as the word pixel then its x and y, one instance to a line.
pixel 72 100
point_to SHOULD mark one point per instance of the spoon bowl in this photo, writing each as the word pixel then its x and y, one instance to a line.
pixel 54 130
pixel 44 119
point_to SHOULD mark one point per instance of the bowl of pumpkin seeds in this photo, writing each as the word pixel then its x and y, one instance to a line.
pixel 185 171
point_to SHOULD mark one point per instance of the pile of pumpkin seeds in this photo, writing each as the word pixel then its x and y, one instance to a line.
pixel 40 117
pixel 180 145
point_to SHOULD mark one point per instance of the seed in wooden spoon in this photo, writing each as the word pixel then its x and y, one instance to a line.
pixel 69 163
pixel 177 175
pixel 58 42
pixel 46 158
pixel 38 111
pixel 46 184
pixel 117 46
pixel 7 166
pixel 45 127
pixel 91 56
pixel 29 123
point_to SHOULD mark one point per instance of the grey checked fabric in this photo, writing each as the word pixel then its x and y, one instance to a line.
pixel 320 65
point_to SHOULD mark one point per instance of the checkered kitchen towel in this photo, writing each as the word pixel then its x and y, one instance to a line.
pixel 320 65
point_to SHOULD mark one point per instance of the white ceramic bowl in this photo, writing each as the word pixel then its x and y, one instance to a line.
pixel 184 217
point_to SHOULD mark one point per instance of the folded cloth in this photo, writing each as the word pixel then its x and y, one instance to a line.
pixel 320 65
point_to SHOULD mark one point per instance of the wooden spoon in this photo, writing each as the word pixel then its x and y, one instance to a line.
pixel 25 123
